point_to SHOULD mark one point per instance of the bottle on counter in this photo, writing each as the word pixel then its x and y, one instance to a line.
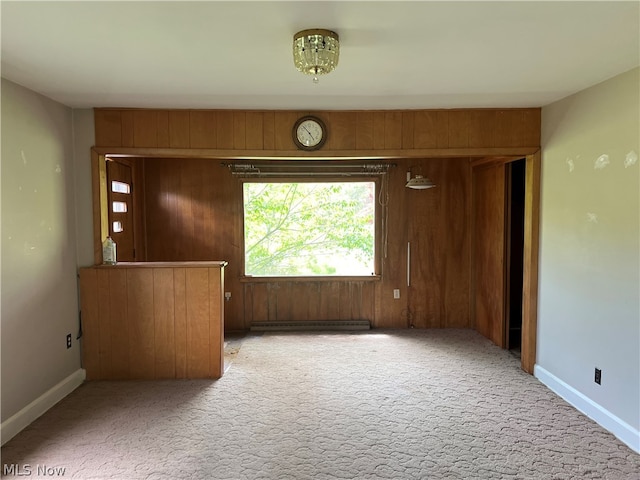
pixel 109 252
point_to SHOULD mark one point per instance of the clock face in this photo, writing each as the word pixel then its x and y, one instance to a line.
pixel 309 133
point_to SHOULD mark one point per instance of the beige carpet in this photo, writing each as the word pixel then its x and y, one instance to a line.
pixel 424 404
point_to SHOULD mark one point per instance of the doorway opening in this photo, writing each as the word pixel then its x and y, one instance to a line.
pixel 515 253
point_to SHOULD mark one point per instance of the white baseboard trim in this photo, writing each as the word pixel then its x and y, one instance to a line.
pixel 603 417
pixel 16 423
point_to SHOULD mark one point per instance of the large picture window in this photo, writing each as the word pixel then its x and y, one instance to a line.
pixel 309 228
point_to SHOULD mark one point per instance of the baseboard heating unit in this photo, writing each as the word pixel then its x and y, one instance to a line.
pixel 320 325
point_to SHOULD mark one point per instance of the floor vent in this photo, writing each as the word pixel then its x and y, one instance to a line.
pixel 313 325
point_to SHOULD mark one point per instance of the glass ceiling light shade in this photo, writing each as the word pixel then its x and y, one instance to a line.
pixel 419 183
pixel 316 51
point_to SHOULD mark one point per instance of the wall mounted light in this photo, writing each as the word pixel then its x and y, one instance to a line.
pixel 418 182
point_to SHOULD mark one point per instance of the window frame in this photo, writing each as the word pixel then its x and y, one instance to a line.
pixel 293 178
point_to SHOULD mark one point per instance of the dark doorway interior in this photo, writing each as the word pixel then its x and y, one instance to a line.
pixel 515 236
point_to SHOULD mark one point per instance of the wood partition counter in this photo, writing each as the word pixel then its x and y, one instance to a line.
pixel 153 320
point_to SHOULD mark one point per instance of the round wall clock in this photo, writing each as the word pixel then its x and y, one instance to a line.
pixel 309 133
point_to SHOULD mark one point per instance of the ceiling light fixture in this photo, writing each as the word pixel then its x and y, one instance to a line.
pixel 418 182
pixel 316 51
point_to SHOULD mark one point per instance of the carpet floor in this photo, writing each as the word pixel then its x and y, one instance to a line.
pixel 410 404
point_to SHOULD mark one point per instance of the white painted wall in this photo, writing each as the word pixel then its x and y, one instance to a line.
pixel 589 298
pixel 39 287
pixel 83 140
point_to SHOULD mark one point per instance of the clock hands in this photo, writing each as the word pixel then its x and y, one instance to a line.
pixel 310 134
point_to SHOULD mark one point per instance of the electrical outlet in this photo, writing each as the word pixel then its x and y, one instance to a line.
pixel 227 296
pixel 396 293
pixel 598 376
pixel 69 340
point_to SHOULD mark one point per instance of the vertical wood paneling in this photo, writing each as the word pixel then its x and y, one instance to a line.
pixel 216 328
pixel 508 128
pixel 489 251
pixel 458 129
pixel 341 131
pixel 425 135
pixel 531 250
pixel 142 334
pixel 198 333
pixel 269 130
pixel 378 130
pixel 254 131
pixel 143 323
pixel 164 323
pixel 364 131
pixel 108 127
pixel 203 130
pixel 239 130
pixel 179 129
pixel 283 128
pixel 127 128
pixel 120 325
pixel 482 128
pixel 531 123
pixel 392 130
pixel 163 129
pixel 104 326
pixel 408 129
pixel 180 321
pixel 90 319
pixel 145 128
pixel 442 129
pixel 225 129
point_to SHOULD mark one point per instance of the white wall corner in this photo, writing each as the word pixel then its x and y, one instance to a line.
pixel 622 430
pixel 16 423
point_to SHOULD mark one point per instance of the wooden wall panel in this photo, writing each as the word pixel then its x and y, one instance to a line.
pixel 127 128
pixel 152 322
pixel 458 129
pixel 254 131
pixel 269 130
pixel 438 229
pixel 216 329
pixel 142 332
pixel 364 131
pixel 145 128
pixel 425 133
pixel 203 132
pixel 180 321
pixel 108 127
pixel 119 321
pixel 180 128
pixel 164 323
pixel 342 131
pixel 225 129
pixel 348 131
pixel 105 327
pixel 489 251
pixel 198 333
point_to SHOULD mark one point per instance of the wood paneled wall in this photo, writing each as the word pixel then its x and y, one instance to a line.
pixel 149 323
pixel 270 131
pixel 489 183
pixel 309 301
pixel 193 211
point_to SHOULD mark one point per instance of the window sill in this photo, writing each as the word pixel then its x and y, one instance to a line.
pixel 319 278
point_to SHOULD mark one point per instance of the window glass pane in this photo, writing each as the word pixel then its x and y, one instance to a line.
pixel 117 227
pixel 120 187
pixel 119 207
pixel 300 229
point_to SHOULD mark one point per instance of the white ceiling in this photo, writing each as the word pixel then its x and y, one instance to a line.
pixel 394 54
